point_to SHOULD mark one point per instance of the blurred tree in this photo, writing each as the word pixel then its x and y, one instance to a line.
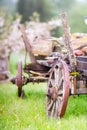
pixel 48 9
pixel 8 37
pixel 63 5
pixel 10 5
pixel 1 2
pixel 5 24
pixel 35 17
pixel 43 7
pixel 76 17
pixel 60 6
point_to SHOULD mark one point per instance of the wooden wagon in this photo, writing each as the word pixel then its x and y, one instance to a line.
pixel 65 73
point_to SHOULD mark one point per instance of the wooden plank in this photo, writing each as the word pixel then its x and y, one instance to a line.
pixel 81 91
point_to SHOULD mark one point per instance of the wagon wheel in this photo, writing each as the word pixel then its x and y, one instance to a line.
pixel 19 80
pixel 58 90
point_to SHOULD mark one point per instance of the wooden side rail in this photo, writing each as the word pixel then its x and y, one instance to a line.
pixel 27 44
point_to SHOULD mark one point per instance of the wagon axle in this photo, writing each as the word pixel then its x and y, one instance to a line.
pixel 25 80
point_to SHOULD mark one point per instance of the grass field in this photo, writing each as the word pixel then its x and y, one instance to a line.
pixel 29 113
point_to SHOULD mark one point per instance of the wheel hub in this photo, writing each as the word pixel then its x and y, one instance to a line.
pixel 52 93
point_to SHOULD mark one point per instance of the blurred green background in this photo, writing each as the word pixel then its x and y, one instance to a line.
pixel 49 9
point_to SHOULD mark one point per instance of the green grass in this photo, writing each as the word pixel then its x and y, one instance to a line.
pixel 14 58
pixel 29 113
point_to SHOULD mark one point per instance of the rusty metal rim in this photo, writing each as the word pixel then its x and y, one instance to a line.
pixel 66 90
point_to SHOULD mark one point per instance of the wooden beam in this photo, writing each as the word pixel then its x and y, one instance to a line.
pixel 27 44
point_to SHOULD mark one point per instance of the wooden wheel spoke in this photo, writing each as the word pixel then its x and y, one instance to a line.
pixel 60 98
pixel 57 106
pixel 50 105
pixel 59 77
pixel 56 76
pixel 52 82
pixel 60 83
pixel 60 92
pixel 53 109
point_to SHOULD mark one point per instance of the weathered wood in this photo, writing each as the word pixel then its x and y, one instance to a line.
pixel 67 38
pixel 81 46
pixel 27 44
pixel 81 91
pixel 36 67
pixel 42 46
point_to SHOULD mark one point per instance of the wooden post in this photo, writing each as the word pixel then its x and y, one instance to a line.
pixel 67 38
pixel 69 47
